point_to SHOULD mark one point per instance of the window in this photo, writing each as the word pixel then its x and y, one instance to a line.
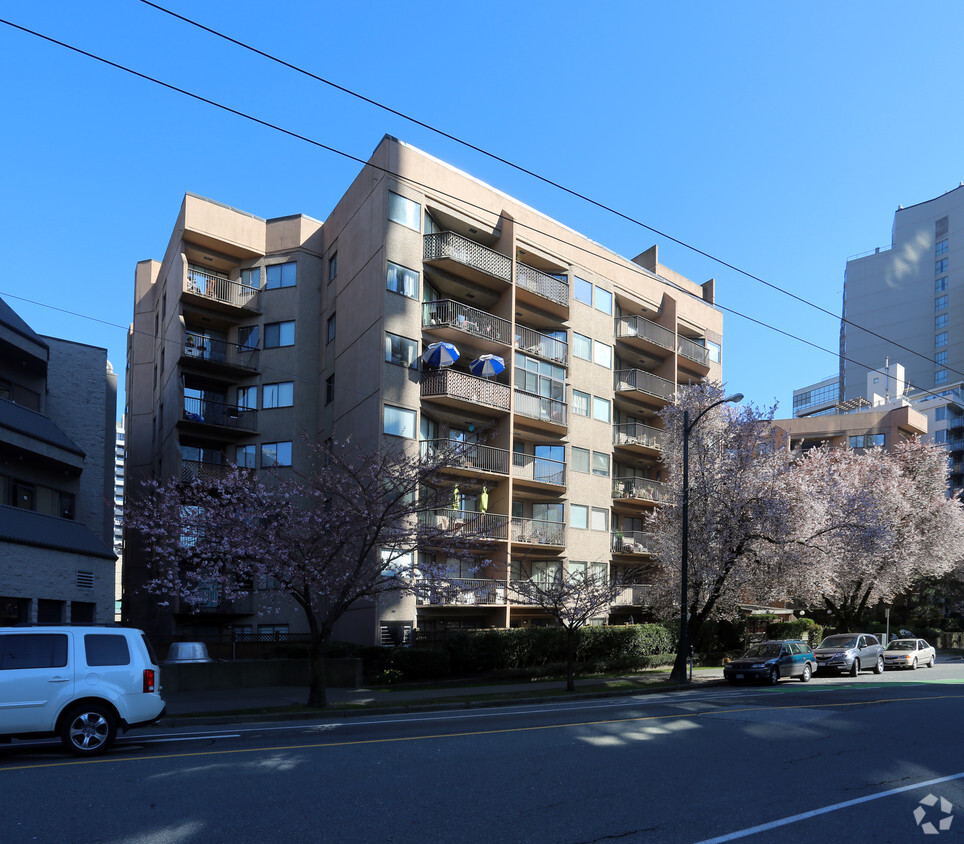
pixel 940 340
pixel 940 414
pixel 280 275
pixel 251 277
pixel 244 456
pixel 579 516
pixel 279 334
pixel 866 440
pixel 940 285
pixel 580 403
pixel 940 248
pixel 940 377
pixel 329 389
pixel 403 210
pixel 580 460
pixel 332 267
pixel 600 409
pixel 581 346
pixel 34 650
pixel 602 354
pixel 248 337
pixel 331 327
pixel 281 394
pixel 540 378
pixel 940 321
pixel 600 464
pixel 941 360
pixel 940 303
pixel 940 266
pixel 247 398
pixel 275 454
pixel 399 422
pixel 400 350
pixel 402 280
pixel 604 301
pixel 600 519
pixel 715 351
pixel 582 290
pixel 106 648
pixel 272 629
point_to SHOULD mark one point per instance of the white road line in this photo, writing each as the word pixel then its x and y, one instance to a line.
pixel 753 830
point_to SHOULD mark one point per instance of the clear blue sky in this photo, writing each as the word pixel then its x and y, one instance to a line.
pixel 779 137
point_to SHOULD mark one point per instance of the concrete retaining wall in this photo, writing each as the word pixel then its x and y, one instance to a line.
pixel 210 676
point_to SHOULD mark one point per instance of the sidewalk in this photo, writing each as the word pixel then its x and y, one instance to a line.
pixel 278 702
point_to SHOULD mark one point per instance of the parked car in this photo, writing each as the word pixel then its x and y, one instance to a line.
pixel 909 653
pixel 850 653
pixel 79 683
pixel 772 661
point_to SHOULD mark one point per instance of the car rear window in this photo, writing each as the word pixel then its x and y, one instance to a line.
pixel 106 649
pixel 33 650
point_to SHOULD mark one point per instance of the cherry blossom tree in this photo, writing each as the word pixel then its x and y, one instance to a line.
pixel 347 532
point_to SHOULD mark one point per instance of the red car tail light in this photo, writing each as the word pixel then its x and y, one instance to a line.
pixel 148 680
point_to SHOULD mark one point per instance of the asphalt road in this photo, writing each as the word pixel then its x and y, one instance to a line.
pixel 837 759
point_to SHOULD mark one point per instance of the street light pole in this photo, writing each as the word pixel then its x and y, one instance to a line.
pixel 683 654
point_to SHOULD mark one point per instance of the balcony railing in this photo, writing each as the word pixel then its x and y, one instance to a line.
pixel 462 385
pixel 222 289
pixel 637 326
pixel 460 591
pixel 218 413
pixel 540 407
pixel 637 595
pixel 449 313
pixel 542 284
pixel 539 532
pixel 461 455
pixel 468 523
pixel 541 345
pixel 634 433
pixel 694 351
pixel 629 542
pixel 460 249
pixel 200 347
pixel 639 380
pixel 640 488
pixel 198 470
pixel 540 469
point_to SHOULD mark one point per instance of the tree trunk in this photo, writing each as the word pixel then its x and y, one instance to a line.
pixel 570 659
pixel 317 690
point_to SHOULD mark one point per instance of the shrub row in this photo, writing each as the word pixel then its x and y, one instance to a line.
pixel 800 628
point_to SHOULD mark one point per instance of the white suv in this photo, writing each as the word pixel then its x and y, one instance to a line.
pixel 81 683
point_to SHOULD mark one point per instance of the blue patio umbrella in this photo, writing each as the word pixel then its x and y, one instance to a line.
pixel 440 354
pixel 487 366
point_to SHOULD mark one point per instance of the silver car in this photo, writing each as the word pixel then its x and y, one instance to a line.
pixel 850 653
pixel 909 653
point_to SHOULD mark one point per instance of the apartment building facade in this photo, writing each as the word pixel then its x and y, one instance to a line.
pixel 251 335
pixel 57 409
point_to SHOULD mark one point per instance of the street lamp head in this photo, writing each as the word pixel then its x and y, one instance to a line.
pixel 736 397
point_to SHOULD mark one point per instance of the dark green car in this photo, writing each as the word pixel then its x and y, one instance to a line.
pixel 771 661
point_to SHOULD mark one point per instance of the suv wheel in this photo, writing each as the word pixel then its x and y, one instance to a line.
pixel 879 667
pixel 88 730
pixel 805 677
pixel 774 677
pixel 855 668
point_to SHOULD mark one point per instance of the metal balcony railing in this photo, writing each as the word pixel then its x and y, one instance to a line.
pixel 635 433
pixel 541 345
pixel 461 455
pixel 460 591
pixel 467 252
pixel 636 595
pixel 542 284
pixel 694 351
pixel 540 407
pixel 637 326
pixel 629 542
pixel 200 347
pixel 538 532
pixel 198 470
pixel 218 413
pixel 541 469
pixel 640 488
pixel 639 380
pixel 447 312
pixel 468 523
pixel 221 289
pixel 462 385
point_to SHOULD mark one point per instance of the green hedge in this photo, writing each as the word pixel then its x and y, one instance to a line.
pixel 800 628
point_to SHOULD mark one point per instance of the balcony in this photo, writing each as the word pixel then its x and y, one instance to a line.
pixel 539 470
pixel 541 408
pixel 471 457
pixel 221 292
pixel 541 345
pixel 454 388
pixel 538 532
pixel 647 387
pixel 450 319
pixel 645 335
pixel 640 489
pixel 629 542
pixel 694 352
pixel 638 437
pixel 482 527
pixel 192 470
pixel 463 257
pixel 217 353
pixel 636 595
pixel 460 591
pixel 207 412
pixel 546 287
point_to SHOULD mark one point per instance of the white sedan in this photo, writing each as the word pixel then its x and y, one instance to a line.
pixel 909 653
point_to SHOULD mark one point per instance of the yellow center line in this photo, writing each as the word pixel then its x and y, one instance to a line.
pixel 500 731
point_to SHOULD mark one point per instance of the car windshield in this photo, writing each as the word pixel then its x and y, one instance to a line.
pixel 839 642
pixel 902 645
pixel 765 651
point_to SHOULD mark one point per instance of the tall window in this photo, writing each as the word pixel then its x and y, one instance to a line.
pixel 600 519
pixel 940 285
pixel 601 409
pixel 580 403
pixel 580 460
pixel 581 346
pixel 940 376
pixel 251 277
pixel 940 321
pixel 940 266
pixel 604 301
pixel 940 248
pixel 402 280
pixel 399 422
pixel 248 398
pixel 244 456
pixel 280 275
pixel 329 389
pixel 278 395
pixel 248 336
pixel 275 454
pixel 582 290
pixel 279 334
pixel 403 210
pixel 400 350
pixel 940 303
pixel 941 360
pixel 332 267
pixel 331 327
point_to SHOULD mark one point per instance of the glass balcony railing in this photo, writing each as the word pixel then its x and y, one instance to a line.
pixel 540 407
pixel 539 469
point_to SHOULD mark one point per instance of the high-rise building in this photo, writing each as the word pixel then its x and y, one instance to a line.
pixel 118 516
pixel 252 333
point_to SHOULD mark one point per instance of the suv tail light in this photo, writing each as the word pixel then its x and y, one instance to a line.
pixel 148 680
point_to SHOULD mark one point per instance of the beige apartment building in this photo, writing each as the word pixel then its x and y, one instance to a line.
pixel 253 336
